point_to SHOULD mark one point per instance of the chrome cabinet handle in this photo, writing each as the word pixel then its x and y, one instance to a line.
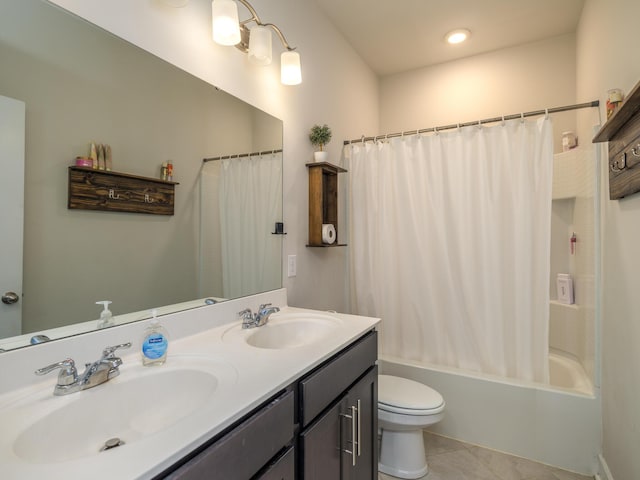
pixel 354 441
pixel 636 150
pixel 351 452
pixel 359 442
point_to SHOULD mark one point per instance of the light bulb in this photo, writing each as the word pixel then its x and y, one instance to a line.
pixel 290 72
pixel 226 28
pixel 457 36
pixel 260 45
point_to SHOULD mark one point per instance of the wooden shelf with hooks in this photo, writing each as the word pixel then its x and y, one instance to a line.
pixel 622 131
pixel 110 191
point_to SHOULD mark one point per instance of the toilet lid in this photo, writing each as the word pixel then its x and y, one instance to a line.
pixel 396 394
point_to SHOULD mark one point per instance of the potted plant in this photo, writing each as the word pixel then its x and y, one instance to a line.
pixel 319 136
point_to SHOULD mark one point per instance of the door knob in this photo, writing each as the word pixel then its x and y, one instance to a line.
pixel 10 298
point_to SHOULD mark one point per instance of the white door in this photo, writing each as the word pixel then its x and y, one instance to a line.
pixel 12 144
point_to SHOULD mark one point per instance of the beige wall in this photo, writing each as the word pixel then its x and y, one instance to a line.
pixel 523 78
pixel 607 47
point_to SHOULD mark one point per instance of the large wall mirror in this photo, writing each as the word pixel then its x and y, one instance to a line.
pixel 79 85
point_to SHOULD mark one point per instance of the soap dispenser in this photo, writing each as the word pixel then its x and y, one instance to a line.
pixel 155 343
pixel 106 318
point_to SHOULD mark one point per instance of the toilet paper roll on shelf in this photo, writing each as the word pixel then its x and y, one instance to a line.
pixel 328 233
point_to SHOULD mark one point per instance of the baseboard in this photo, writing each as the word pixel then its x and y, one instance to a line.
pixel 603 470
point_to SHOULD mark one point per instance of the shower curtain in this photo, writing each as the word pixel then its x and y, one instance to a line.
pixel 242 200
pixel 450 245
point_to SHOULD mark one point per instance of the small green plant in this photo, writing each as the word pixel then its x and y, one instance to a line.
pixel 320 135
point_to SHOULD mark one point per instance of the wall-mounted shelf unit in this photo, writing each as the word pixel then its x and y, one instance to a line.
pixel 622 131
pixel 91 189
pixel 323 201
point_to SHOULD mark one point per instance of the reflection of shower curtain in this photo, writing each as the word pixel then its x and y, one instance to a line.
pixel 449 242
pixel 250 203
pixel 249 198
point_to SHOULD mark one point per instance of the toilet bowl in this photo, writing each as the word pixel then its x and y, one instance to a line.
pixel 405 407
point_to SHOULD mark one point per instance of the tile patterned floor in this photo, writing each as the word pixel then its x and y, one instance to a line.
pixel 452 460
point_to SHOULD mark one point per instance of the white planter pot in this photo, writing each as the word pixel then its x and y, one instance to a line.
pixel 320 156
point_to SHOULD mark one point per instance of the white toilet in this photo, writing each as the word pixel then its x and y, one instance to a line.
pixel 405 407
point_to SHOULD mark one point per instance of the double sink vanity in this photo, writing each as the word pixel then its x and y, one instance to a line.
pixel 293 398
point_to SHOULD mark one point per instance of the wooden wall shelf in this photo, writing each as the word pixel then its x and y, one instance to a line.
pixel 91 189
pixel 622 131
pixel 323 201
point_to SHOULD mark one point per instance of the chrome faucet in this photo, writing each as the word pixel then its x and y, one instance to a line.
pixel 95 373
pixel 258 319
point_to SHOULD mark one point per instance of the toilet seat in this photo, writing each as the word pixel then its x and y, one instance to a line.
pixel 404 396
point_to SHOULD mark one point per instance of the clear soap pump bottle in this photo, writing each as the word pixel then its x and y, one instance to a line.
pixel 106 318
pixel 155 343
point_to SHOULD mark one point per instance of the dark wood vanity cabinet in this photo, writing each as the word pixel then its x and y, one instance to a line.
pixel 260 446
pixel 339 416
pixel 322 427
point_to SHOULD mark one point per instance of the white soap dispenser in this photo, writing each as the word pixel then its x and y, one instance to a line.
pixel 155 343
pixel 106 318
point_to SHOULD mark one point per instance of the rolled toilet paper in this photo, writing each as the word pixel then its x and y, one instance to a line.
pixel 328 233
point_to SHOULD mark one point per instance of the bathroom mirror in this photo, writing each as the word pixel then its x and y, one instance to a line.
pixel 81 84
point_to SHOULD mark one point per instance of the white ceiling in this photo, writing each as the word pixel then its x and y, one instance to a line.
pixel 398 35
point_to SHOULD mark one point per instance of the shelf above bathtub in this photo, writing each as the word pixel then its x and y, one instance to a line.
pixel 572 306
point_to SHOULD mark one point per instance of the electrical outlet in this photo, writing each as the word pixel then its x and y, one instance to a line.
pixel 291 266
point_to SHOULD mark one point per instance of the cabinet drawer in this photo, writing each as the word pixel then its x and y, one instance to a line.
pixel 241 453
pixel 284 468
pixel 324 385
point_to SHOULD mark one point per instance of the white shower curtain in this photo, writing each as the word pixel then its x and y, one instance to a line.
pixel 250 202
pixel 449 245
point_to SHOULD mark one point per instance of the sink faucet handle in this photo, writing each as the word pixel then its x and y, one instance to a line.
pixel 108 351
pixel 263 306
pixel 68 374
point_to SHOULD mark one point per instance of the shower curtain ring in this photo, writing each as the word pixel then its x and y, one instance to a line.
pixel 503 122
pixel 521 117
pixel 435 130
pixel 362 139
pixel 546 114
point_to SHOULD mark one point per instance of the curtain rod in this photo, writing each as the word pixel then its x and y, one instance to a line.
pixel 240 155
pixel 566 108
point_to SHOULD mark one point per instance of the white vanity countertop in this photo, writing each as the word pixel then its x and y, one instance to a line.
pixel 257 374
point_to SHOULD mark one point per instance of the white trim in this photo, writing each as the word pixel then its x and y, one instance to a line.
pixel 603 469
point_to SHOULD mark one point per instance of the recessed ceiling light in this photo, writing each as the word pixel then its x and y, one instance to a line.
pixel 457 36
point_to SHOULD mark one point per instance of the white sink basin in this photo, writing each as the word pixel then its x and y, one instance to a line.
pixel 285 331
pixel 140 403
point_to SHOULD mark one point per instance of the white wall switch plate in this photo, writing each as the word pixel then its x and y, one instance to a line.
pixel 291 266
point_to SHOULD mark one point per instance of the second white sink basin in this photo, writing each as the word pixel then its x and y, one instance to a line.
pixel 285 331
pixel 141 402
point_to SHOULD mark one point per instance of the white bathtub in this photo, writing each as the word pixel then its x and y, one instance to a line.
pixel 557 425
pixel 566 372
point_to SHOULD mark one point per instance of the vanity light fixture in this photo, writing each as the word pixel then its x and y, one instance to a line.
pixel 255 41
pixel 457 36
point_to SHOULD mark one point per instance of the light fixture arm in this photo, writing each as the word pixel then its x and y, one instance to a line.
pixel 256 19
